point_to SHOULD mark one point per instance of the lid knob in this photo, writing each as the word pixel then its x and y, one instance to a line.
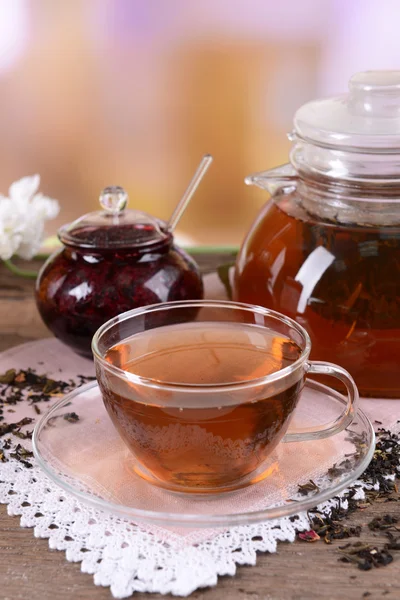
pixel 113 199
pixel 375 93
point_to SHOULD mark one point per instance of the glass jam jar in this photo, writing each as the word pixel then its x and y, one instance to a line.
pixel 113 260
pixel 325 249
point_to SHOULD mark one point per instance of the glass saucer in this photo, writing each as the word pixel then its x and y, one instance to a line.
pixel 77 446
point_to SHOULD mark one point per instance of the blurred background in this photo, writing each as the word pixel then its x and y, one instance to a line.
pixel 134 92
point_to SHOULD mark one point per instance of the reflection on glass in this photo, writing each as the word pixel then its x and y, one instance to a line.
pixel 311 272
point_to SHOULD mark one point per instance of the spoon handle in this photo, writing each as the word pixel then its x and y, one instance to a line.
pixel 190 190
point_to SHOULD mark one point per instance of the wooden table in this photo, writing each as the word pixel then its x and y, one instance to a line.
pixel 298 571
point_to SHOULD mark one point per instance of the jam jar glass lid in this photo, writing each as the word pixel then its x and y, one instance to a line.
pixel 115 226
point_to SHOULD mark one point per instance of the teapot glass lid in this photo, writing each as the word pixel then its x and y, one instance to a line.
pixel 367 118
pixel 114 226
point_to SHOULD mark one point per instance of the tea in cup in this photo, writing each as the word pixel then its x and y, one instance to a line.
pixel 203 391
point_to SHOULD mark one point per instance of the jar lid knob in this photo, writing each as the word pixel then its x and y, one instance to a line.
pixel 113 199
pixel 375 94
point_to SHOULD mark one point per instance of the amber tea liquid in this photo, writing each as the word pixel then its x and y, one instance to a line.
pixel 201 440
pixel 340 282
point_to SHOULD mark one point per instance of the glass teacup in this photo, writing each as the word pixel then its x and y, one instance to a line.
pixel 203 391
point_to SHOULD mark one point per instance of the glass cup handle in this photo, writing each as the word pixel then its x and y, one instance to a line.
pixel 344 420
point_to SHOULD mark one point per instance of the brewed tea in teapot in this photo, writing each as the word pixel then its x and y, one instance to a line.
pixel 325 249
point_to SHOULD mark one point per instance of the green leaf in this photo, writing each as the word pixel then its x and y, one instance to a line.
pixel 21 272
pixel 211 249
pixel 223 274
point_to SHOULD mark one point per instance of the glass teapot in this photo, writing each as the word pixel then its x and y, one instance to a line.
pixel 112 260
pixel 325 249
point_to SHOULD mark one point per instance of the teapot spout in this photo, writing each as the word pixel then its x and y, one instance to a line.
pixel 282 178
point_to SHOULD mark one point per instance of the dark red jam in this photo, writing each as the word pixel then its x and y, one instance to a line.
pixel 79 289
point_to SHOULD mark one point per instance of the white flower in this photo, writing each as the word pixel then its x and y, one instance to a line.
pixel 22 218
pixel 24 189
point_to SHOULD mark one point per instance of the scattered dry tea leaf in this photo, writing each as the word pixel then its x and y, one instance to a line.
pixel 21 454
pixel 8 377
pixel 14 427
pixel 365 556
pixel 307 488
pixel 383 523
pixel 71 417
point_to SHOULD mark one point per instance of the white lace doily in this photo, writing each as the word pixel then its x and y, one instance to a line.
pixel 120 554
